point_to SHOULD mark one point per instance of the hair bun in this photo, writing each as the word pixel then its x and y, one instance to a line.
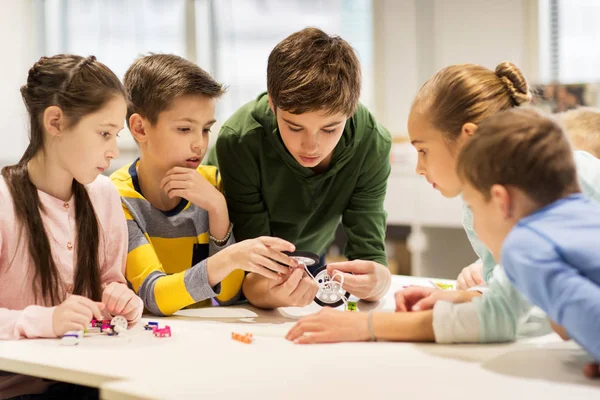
pixel 85 62
pixel 515 83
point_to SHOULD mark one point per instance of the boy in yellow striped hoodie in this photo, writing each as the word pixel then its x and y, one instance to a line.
pixel 181 248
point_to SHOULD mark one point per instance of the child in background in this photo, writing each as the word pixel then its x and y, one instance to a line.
pixel 63 238
pixel 519 181
pixel 181 249
pixel 582 126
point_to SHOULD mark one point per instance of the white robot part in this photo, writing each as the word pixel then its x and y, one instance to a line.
pixel 120 323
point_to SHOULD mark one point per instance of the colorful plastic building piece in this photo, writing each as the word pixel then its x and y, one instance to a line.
pixel 150 325
pixel 351 306
pixel 162 332
pixel 245 338
pixel 71 338
pixel 445 286
pixel 94 323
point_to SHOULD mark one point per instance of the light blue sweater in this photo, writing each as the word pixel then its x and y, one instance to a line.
pixel 502 308
pixel 553 258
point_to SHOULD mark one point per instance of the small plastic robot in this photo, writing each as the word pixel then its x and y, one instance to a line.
pixel 331 293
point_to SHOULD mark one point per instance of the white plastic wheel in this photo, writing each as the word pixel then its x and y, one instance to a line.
pixel 120 323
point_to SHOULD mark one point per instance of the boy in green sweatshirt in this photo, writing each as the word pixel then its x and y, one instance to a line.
pixel 301 157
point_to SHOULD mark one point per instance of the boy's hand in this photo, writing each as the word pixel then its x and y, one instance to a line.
pixel 561 331
pixel 417 298
pixel 261 255
pixel 190 185
pixel 470 276
pixel 366 280
pixel 592 370
pixel 74 314
pixel 118 299
pixel 330 326
pixel 296 289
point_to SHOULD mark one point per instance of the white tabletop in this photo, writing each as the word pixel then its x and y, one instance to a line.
pixel 201 359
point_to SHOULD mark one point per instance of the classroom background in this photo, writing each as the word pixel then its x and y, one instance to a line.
pixel 400 44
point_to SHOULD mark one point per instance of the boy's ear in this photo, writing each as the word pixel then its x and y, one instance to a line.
pixel 53 120
pixel 136 126
pixel 271 106
pixel 502 199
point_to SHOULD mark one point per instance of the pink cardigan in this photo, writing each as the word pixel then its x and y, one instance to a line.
pixel 20 315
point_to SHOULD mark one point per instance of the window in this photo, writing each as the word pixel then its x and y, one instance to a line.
pixel 246 31
pixel 569 36
pixel 229 38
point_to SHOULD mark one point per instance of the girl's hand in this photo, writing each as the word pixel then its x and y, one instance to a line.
pixel 330 326
pixel 120 300
pixel 417 298
pixel 470 276
pixel 74 314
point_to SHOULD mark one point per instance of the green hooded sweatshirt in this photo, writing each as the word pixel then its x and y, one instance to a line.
pixel 269 193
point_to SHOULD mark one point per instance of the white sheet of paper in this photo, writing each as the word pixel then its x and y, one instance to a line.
pixel 217 312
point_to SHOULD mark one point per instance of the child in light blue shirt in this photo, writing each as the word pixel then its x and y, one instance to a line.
pixel 519 182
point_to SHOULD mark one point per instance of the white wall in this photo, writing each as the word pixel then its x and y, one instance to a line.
pixel 17 49
pixel 416 38
pixel 485 32
pixel 413 40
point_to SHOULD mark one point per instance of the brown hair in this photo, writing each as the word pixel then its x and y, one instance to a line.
pixel 311 70
pixel 79 86
pixel 521 148
pixel 464 93
pixel 582 126
pixel 154 81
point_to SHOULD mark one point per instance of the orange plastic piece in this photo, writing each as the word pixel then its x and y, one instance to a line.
pixel 245 338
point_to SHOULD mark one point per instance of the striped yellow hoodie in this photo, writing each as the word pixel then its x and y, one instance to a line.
pixel 168 251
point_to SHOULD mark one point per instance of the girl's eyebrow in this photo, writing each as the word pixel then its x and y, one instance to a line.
pixel 111 125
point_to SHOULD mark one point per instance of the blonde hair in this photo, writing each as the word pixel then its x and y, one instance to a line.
pixel 582 126
pixel 522 148
pixel 465 93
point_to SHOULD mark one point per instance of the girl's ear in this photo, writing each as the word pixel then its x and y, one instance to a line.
pixel 53 120
pixel 468 129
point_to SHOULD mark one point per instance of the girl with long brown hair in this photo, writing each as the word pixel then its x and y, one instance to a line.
pixel 63 237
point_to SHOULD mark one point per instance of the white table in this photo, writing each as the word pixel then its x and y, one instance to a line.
pixel 201 360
